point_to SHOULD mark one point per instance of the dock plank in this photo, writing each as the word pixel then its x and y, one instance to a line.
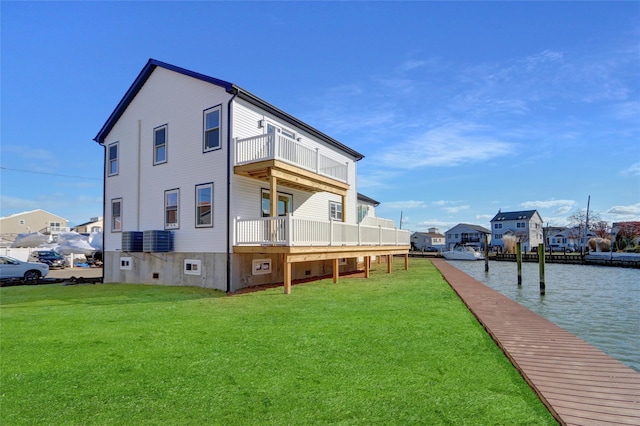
pixel 579 384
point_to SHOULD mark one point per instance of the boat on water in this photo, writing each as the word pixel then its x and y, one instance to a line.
pixel 462 253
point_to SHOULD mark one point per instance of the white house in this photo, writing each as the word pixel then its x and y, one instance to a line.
pixel 208 185
pixel 526 226
pixel 467 234
pixel 432 238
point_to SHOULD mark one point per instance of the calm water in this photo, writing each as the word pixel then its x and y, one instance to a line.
pixel 599 304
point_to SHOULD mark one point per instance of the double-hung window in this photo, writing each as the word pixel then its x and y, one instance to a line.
pixel 160 138
pixel 204 205
pixel 211 138
pixel 112 166
pixel 171 209
pixel 335 210
pixel 116 215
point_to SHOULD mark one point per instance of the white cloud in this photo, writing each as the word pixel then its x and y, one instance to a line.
pixel 446 146
pixel 410 204
pixel 548 204
pixel 632 170
pixel 456 209
pixel 631 210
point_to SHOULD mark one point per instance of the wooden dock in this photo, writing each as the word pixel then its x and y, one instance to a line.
pixel 579 384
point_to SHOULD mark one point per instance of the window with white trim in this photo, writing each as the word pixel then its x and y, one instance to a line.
pixel 211 138
pixel 116 215
pixel 160 139
pixel 171 209
pixel 112 161
pixel 204 205
pixel 335 210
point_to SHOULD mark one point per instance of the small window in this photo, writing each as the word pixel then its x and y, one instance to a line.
pixel 160 145
pixel 335 210
pixel 192 267
pixel 171 204
pixel 126 263
pixel 112 159
pixel 204 205
pixel 116 215
pixel 211 129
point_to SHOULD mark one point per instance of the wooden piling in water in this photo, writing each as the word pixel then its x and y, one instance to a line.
pixel 541 266
pixel 519 261
pixel 486 253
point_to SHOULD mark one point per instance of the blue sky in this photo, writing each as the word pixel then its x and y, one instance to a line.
pixel 460 108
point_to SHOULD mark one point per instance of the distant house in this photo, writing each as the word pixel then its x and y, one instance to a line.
pixel 525 226
pixel 208 185
pixel 570 238
pixel 95 224
pixel 32 221
pixel 366 207
pixel 628 232
pixel 432 238
pixel 467 234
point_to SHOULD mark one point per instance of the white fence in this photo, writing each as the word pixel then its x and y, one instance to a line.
pixel 294 231
pixel 278 147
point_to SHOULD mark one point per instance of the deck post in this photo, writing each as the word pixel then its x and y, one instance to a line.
pixel 406 261
pixel 367 265
pixel 287 275
pixel 519 261
pixel 541 265
pixel 389 260
pixel 336 270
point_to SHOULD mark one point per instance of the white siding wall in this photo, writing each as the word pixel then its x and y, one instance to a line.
pixel 246 199
pixel 178 101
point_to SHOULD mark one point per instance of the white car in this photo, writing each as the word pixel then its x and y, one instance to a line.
pixel 28 271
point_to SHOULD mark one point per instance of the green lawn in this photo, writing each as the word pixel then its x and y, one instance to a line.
pixel 395 349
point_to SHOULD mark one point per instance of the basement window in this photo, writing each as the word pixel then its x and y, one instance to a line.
pixel 192 267
pixel 126 263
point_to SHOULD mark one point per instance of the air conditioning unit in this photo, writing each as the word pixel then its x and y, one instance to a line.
pixel 132 241
pixel 157 241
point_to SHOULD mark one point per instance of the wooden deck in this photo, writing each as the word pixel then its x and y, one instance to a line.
pixel 579 384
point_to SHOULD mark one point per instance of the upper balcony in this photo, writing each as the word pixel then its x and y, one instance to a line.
pixel 273 155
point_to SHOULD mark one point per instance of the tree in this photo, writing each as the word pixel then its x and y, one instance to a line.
pixel 577 222
pixel 627 234
pixel 601 228
pixel 579 219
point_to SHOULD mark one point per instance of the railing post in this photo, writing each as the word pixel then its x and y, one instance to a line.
pixel 318 160
pixel 289 230
pixel 359 234
pixel 331 231
pixel 379 235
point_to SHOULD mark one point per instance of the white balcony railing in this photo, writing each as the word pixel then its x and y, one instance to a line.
pixel 295 231
pixel 278 147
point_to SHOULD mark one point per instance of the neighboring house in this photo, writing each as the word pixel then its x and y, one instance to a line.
pixel 366 207
pixel 570 238
pixel 32 221
pixel 95 224
pixel 467 234
pixel 628 232
pixel 525 225
pixel 432 238
pixel 226 190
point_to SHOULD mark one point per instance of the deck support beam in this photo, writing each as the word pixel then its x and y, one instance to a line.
pixel 336 270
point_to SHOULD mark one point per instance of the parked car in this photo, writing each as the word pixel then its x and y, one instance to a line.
pixel 50 257
pixel 11 268
pixel 431 249
pixel 556 248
